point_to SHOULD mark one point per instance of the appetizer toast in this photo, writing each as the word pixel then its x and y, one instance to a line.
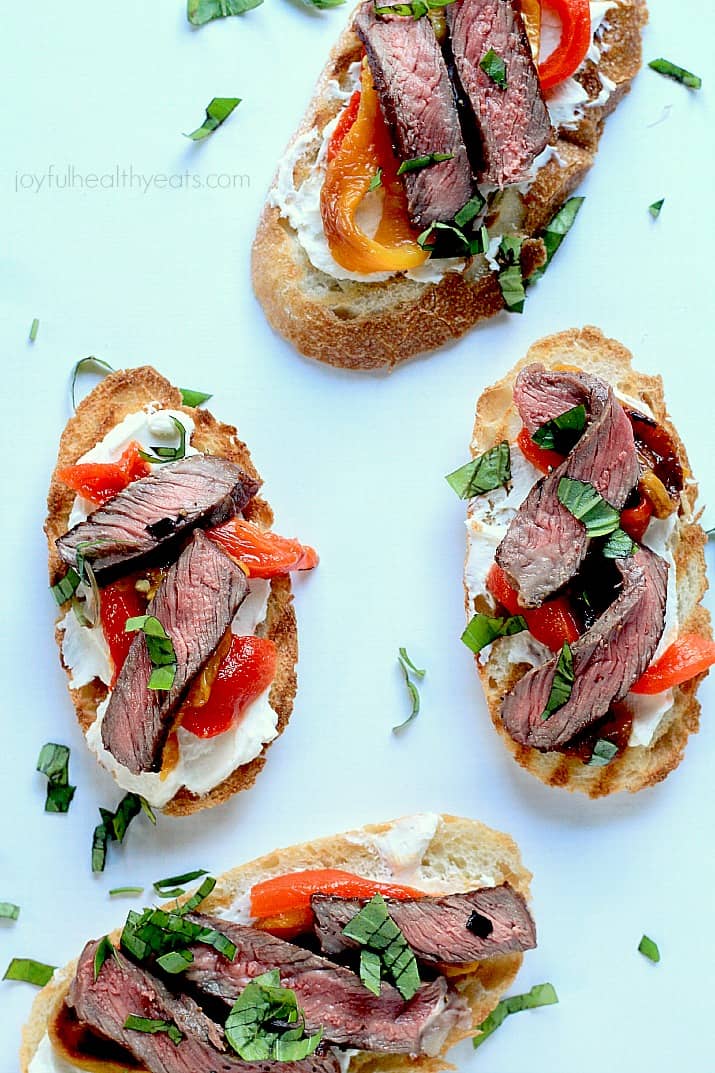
pixel 593 545
pixel 456 889
pixel 188 729
pixel 346 294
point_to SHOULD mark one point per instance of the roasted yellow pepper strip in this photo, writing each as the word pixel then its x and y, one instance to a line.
pixel 531 15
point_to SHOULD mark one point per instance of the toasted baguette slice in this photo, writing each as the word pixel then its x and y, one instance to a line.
pixel 120 394
pixel 458 857
pixel 370 325
pixel 497 419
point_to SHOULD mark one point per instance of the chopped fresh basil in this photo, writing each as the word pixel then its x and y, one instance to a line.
pixel 370 969
pixel 510 277
pixel 408 668
pixel 66 587
pixel 583 501
pixel 416 9
pixel 562 683
pixel 540 995
pixel 603 753
pixel 28 971
pixel 168 454
pixel 483 629
pixel 323 5
pixel 562 432
pixel 150 1024
pixel 160 648
pixel 34 329
pixel 105 949
pixel 618 546
pixel 175 961
pixel 423 162
pixel 9 911
pixel 374 928
pixel 193 398
pixel 53 762
pixel 470 211
pixel 200 12
pixel 84 365
pixel 655 208
pixel 493 65
pixel 171 887
pixel 376 180
pixel 198 896
pixel 266 1023
pixel 114 826
pixel 649 949
pixel 556 231
pixel 468 247
pixel 217 112
pixel 157 933
pixel 119 892
pixel 680 74
pixel 483 474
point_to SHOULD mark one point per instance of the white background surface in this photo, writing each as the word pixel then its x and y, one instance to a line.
pixel 353 464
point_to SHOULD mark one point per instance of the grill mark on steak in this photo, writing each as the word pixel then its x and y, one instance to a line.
pixel 331 996
pixel 545 545
pixel 450 930
pixel 514 121
pixel 607 660
pixel 195 604
pixel 417 101
pixel 123 988
pixel 148 518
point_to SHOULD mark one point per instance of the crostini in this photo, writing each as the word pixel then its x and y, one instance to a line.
pixel 429 178
pixel 280 959
pixel 177 630
pixel 585 568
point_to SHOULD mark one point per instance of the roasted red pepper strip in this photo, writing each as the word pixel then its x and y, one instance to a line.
pixel 691 654
pixel 634 520
pixel 246 670
pixel 538 456
pixel 569 54
pixel 101 481
pixel 552 623
pixel 263 553
pixel 348 117
pixel 118 602
pixel 291 894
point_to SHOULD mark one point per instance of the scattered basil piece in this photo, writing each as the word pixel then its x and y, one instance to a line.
pixel 376 180
pixel 680 74
pixel 105 949
pixel 160 648
pixel 217 112
pixel 171 887
pixel 114 826
pixel 510 277
pixel 150 1024
pixel 469 247
pixel 483 629
pixel 416 9
pixel 193 398
pixel 53 762
pixel 562 683
pixel 9 911
pixel 540 995
pixel 374 928
pixel 423 162
pixel 603 753
pixel 168 454
pixel 199 12
pixel 556 231
pixel 655 208
pixel 562 432
pixel 370 969
pixel 494 67
pixel 28 971
pixel 66 587
pixel 649 949
pixel 84 365
pixel 175 961
pixel 118 892
pixel 266 1023
pixel 469 211
pixel 583 501
pixel 323 5
pixel 483 474
pixel 34 328
pixel 408 668
pixel 618 546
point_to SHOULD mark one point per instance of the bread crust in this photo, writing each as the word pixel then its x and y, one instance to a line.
pixel 119 394
pixel 496 419
pixel 461 851
pixel 358 325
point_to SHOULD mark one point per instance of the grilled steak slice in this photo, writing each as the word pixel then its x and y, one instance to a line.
pixel 607 660
pixel 418 104
pixel 450 930
pixel 513 121
pixel 147 519
pixel 331 997
pixel 122 988
pixel 195 604
pixel 545 545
